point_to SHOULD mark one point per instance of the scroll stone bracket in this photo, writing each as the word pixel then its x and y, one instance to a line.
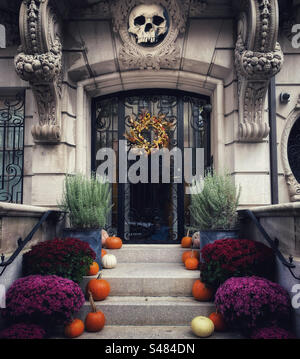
pixel 252 127
pixel 39 61
pixel 258 57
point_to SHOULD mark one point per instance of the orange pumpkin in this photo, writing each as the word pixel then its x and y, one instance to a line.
pixel 95 320
pixel 99 288
pixel 218 320
pixel 201 292
pixel 190 254
pixel 74 329
pixel 191 263
pixel 94 269
pixel 186 241
pixel 114 242
pixel 103 252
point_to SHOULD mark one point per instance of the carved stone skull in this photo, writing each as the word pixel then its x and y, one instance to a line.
pixel 148 23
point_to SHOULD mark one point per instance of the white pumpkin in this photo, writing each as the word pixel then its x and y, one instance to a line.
pixel 196 240
pixel 203 327
pixel 109 261
pixel 104 236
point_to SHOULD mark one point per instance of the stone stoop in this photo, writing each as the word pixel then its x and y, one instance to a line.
pixel 152 332
pixel 148 253
pixel 151 296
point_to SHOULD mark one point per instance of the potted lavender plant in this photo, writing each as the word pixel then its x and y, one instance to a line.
pixel 214 202
pixel 87 200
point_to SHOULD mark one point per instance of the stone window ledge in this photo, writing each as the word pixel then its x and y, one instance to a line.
pixel 278 210
pixel 21 210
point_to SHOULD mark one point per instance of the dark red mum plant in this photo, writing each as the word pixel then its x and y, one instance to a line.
pixel 67 258
pixel 226 258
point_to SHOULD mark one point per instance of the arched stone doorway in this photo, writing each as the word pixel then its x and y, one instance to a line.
pixel 147 212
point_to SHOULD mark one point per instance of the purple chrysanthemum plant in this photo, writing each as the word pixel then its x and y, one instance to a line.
pixel 252 302
pixel 46 300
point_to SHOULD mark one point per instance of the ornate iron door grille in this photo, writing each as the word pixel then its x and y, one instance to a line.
pixel 137 216
pixel 12 112
pixel 294 150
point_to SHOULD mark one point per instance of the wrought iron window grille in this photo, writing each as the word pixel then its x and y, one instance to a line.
pixel 12 114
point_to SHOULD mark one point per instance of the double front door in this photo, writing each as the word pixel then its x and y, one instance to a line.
pixel 150 211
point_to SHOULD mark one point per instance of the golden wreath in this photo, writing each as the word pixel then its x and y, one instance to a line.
pixel 145 121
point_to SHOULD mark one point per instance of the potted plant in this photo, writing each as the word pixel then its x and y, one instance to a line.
pixel 87 200
pixel 214 202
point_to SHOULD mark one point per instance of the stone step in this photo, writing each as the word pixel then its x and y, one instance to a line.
pixel 152 332
pixel 148 253
pixel 149 279
pixel 143 311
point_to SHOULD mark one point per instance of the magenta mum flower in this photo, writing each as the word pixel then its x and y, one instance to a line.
pixel 48 300
pixel 252 302
pixel 23 331
pixel 272 333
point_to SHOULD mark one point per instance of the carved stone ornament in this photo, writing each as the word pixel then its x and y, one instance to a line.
pixel 148 30
pixel 293 184
pixel 148 24
pixel 258 57
pixel 197 7
pixel 39 61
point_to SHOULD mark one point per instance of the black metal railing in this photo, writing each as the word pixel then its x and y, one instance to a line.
pixel 273 243
pixel 22 243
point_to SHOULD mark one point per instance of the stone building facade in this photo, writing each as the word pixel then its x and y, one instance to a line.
pixel 75 53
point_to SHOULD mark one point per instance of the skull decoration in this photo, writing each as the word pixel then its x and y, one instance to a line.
pixel 148 23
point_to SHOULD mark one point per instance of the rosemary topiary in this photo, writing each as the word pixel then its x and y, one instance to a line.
pixel 87 201
pixel 214 202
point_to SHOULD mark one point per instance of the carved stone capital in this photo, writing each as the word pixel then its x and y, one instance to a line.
pixel 162 55
pixel 258 57
pixel 39 61
pixel 293 184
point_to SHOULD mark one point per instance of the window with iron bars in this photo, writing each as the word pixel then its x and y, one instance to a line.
pixel 12 113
